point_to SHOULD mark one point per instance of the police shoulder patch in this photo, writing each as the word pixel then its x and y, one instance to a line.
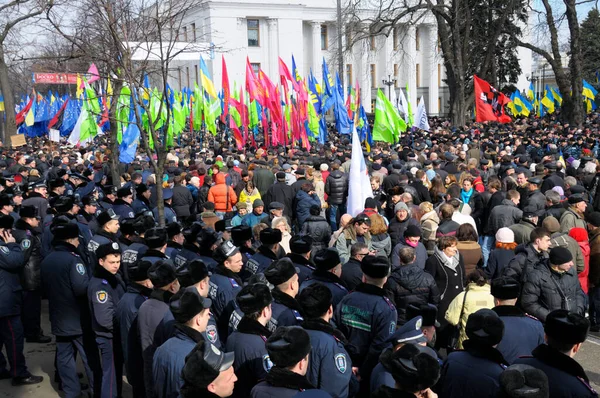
pixel 25 244
pixel 341 363
pixel 211 333
pixel 267 364
pixel 80 268
pixel 5 249
pixel 101 296
pixel 392 327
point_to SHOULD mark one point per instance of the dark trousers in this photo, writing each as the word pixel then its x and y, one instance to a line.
pixel 112 367
pixel 67 348
pixel 31 313
pixel 11 337
pixel 594 298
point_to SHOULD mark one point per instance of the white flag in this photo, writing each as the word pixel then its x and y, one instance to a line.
pixel 421 121
pixel 54 135
pixel 403 105
pixel 359 187
pixel 76 133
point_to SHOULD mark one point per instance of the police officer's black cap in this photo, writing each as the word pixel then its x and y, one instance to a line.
pixel 315 300
pixel 108 248
pixel 141 188
pixel 192 273
pixel 143 222
pixel 63 204
pixel 576 198
pixel 162 273
pixel 109 190
pixel 188 303
pixel 241 234
pixel 426 311
pixel 138 271
pixel 270 236
pixel 127 226
pixel 414 367
pixel 566 327
pixel 522 380
pixel 224 251
pixel 288 345
pixel 64 231
pixel 28 211
pixel 106 216
pixel 156 238
pixel 301 244
pixel 253 298
pixel 89 201
pixel 506 288
pixel 6 222
pixel 485 327
pixel 535 180
pixel 375 266
pixel 280 271
pixel 173 229
pixel 202 366
pixel 124 192
pixel 327 259
pixel 209 237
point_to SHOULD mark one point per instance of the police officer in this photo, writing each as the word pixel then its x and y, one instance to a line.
pixel 65 279
pixel 209 241
pixel 301 249
pixel 110 195
pixel 170 215
pixel 151 313
pixel 266 253
pixel 156 240
pixel 208 372
pixel 108 224
pixel 522 332
pixel 122 206
pixel 225 283
pixel 286 310
pixel 57 187
pixel 328 271
pixel 564 333
pixel 136 246
pixel 330 365
pixel 138 291
pixel 191 246
pixel 191 313
pixel 37 197
pixel 65 208
pixel 175 240
pixel 288 350
pixel 141 204
pixel 366 316
pixel 248 342
pixel 104 292
pixel 87 213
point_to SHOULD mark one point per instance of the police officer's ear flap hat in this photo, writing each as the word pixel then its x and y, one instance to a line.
pixel 523 381
pixel 173 229
pixel 327 259
pixel 375 266
pixel 63 204
pixel 156 238
pixel 202 367
pixel 64 231
pixel 57 183
pixel 241 234
pixel 138 271
pixel 301 244
pixel 161 274
pixel 427 311
pixel 143 223
pixel 191 234
pixel 315 300
pixel 6 222
pixel 208 237
pixel 505 288
pixel 28 211
pixel 288 345
pixel 127 226
pixel 566 327
pixel 188 303
pixel 485 327
pixel 224 251
pixel 108 248
pixel 106 216
pixel 253 298
pixel 413 367
pixel 124 192
pixel 192 273
pixel 280 271
pixel 270 236
pixel 5 200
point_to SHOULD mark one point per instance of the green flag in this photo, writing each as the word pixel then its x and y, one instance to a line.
pixel 388 124
pixel 410 115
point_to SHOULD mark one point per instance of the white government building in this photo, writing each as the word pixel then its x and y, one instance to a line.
pixel 263 31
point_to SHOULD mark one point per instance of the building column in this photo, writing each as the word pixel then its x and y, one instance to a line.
pixel 316 49
pixel 410 44
pixel 272 25
pixel 434 87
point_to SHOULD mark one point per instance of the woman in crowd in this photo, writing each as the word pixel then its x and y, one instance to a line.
pixel 469 248
pixel 501 255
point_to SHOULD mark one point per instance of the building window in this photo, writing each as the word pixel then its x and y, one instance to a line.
pixel 372 43
pixel 185 38
pixel 255 68
pixel 187 75
pixel 196 73
pixel 349 74
pixel 418 75
pixel 253 33
pixel 194 32
pixel 179 77
pixel 373 76
pixel 396 68
pixel 372 106
pixel 417 40
pixel 324 39
pixel 395 38
pixel 439 75
pixel 439 105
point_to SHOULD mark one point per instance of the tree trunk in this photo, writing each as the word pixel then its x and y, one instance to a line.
pixel 9 101
pixel 114 144
pixel 159 171
pixel 576 113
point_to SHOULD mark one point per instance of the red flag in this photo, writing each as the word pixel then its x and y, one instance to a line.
pixel 58 117
pixel 20 118
pixel 489 102
pixel 226 94
pixel 253 87
pixel 284 74
pixel 236 134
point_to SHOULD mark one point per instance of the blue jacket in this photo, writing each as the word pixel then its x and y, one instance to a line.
pixel 131 253
pixel 104 292
pixel 522 333
pixel 84 236
pixel 101 238
pixel 251 219
pixel 381 377
pixel 285 310
pixel 139 206
pixel 281 383
pixel 566 377
pixel 169 360
pixel 224 286
pixel 167 329
pixel 153 256
pixel 303 203
pixel 12 261
pixel 467 373
pixel 260 261
pixel 123 209
pixel 188 253
pixel 170 215
pixel 305 267
pixel 334 284
pixel 65 280
pixel 173 249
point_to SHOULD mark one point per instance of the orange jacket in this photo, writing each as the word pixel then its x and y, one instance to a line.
pixel 218 194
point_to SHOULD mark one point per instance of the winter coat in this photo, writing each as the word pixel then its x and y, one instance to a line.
pixel 263 179
pixel 546 290
pixel 492 201
pixel 282 193
pixel 30 241
pixel 497 261
pixel 447 228
pixel 583 275
pixel 12 260
pixel 336 187
pixel 345 241
pixel 303 203
pixel 471 253
pixel 501 216
pixel 352 274
pixel 396 228
pixel 525 257
pixel 429 225
pixel 422 192
pixel 420 251
pixel 382 244
pixel 522 231
pixel 478 297
pixel 319 230
pixel 218 194
pixel 571 219
pixel 551 181
pixel 594 274
pixel 249 197
pixel 564 240
pixel 182 201
pixel 410 284
pixel 535 203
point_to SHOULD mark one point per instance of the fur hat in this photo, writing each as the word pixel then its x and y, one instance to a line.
pixel 375 266
pixel 192 273
pixel 301 244
pixel 505 288
pixel 138 271
pixel 188 303
pixel 485 326
pixel 566 327
pixel 162 273
pixel 253 298
pixel 124 192
pixel 173 229
pixel 63 204
pixel 127 226
pixel 202 366
pixel 106 216
pixel 594 219
pixel 156 238
pixel 280 271
pixel 108 248
pixel 288 345
pixel 241 234
pixel 270 236
pixel 315 300
pixel 6 222
pixel 413 367
pixel 64 231
pixel 523 381
pixel 28 211
pixel 327 259
pixel 426 311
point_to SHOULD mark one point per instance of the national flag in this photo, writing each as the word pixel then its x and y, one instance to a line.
pixel 489 102
pixel 421 121
pixel 30 117
pixel 57 119
pixel 548 100
pixel 20 117
pixel 589 91
pixel 556 95
pixel 295 72
pixel 313 92
pixel 226 92
pixel 531 92
pixel 131 137
pixel 388 124
pixel 359 187
pixel 1 103
pixel 93 74
pixel 207 83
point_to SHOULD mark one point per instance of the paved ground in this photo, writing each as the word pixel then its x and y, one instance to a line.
pixel 40 359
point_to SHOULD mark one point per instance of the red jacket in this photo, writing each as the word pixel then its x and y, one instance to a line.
pixel 581 236
pixel 218 194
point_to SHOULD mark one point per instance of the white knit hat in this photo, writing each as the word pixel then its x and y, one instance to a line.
pixel 505 235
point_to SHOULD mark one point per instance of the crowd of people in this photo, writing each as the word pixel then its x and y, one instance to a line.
pixel 473 270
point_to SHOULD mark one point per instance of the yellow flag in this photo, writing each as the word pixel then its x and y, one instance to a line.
pixel 79 91
pixel 109 93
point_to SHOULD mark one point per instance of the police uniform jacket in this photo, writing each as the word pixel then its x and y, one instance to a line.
pixel 188 253
pixel 123 209
pixel 566 377
pixel 153 255
pixel 329 366
pixel 126 314
pixel 261 260
pixel 251 360
pixel 29 239
pixel 105 204
pixel 101 238
pixel 11 264
pixel 38 201
pixel 467 373
pixel 84 236
pixel 281 383
pixel 166 329
pixel 285 309
pixel 170 215
pixel 140 205
pixel 305 267
pixel 104 292
pixel 169 360
pixel 131 253
pixel 173 248
pixel 65 280
pixel 224 286
pixel 333 282
pixel 210 263
pixel 522 332
pixel 381 377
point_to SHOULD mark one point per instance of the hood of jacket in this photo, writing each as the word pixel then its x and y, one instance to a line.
pixel 336 174
pixel 220 178
pixel 432 215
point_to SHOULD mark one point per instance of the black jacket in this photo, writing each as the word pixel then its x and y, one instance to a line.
pixel 182 201
pixel 30 276
pixel 336 187
pixel 352 274
pixel 396 228
pixel 319 230
pixel 282 193
pixel 525 257
pixel 422 192
pixel 551 181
